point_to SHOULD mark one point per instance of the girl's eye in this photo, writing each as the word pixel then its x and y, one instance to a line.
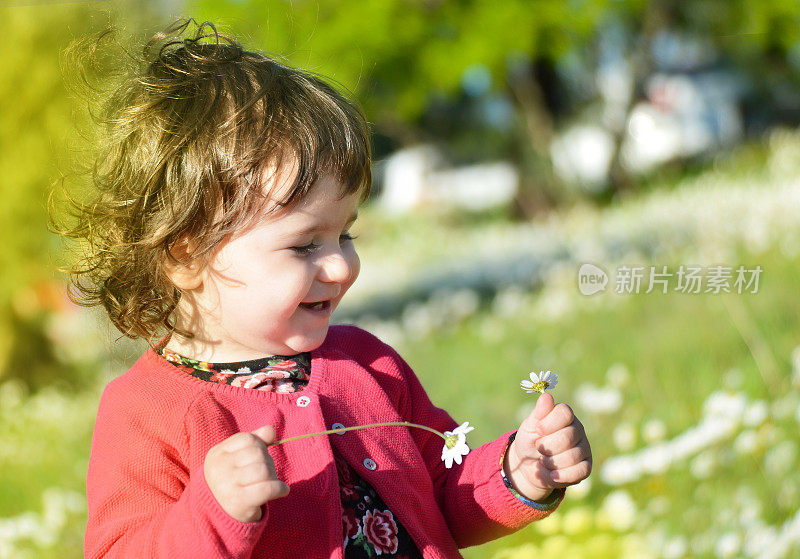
pixel 311 247
pixel 305 250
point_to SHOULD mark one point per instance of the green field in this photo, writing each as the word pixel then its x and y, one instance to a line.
pixel 643 372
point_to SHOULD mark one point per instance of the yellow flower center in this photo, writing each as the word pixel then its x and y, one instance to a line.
pixel 451 441
pixel 540 386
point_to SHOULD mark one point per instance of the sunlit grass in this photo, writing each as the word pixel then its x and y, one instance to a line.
pixel 665 356
pixel 678 349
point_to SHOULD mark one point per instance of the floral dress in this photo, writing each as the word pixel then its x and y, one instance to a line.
pixel 369 528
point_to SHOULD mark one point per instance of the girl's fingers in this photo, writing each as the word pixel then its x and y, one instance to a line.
pixel 558 442
pixel 572 474
pixel 250 455
pixel 528 454
pixel 565 459
pixel 540 476
pixel 255 473
pixel 559 417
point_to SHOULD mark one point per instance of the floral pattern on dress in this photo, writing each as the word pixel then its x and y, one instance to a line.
pixel 381 531
pixel 276 373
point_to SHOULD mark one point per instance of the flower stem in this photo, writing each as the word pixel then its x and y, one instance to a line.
pixel 343 429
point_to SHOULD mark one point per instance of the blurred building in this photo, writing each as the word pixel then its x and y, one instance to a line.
pixel 420 176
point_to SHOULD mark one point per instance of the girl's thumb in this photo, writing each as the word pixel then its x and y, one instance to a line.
pixel 266 433
pixel 544 405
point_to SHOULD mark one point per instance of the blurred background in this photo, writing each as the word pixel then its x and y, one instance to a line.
pixel 514 142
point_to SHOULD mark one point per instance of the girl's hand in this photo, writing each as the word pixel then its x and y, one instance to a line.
pixel 241 473
pixel 549 451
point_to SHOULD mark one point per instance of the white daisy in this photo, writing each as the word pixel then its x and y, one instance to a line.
pixel 545 380
pixel 455 445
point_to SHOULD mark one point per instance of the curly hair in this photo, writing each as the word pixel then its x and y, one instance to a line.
pixel 185 140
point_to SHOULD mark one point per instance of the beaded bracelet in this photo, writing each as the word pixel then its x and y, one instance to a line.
pixel 548 503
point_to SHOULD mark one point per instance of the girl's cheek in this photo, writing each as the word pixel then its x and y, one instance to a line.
pixel 355 266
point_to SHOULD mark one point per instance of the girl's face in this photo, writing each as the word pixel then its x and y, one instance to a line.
pixel 249 302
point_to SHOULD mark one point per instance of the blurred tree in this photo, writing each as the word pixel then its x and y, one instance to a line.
pixel 31 135
pixel 38 140
pixel 400 56
pixel 763 40
pixel 403 56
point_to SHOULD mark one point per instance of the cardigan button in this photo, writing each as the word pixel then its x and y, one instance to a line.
pixel 303 401
pixel 370 464
pixel 338 426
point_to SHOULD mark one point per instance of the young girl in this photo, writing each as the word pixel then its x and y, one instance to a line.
pixel 226 189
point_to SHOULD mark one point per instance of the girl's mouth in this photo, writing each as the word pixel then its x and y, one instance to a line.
pixel 322 307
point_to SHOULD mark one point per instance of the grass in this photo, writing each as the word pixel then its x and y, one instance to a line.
pixel 676 346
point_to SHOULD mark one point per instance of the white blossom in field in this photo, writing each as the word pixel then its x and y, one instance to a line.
pixel 658 505
pixel 749 514
pixel 618 511
pixel 605 400
pixel 553 304
pixel 796 367
pixel 721 404
pixel 637 546
pixel 18 527
pixel 387 331
pixel 732 379
pixel 785 406
pixel 620 469
pixel 656 459
pixel 12 394
pixel 507 302
pixel 780 459
pixel 789 495
pixel 748 504
pixel 624 436
pixel 675 548
pixel 728 545
pixel 417 320
pixel 618 375
pixel 722 416
pixel 43 529
pixel 748 442
pixel 550 525
pixel 581 489
pixel 755 414
pixel 492 329
pixel 654 430
pixel 464 303
pixel 759 538
pixel 703 465
pixel 702 543
pixel 578 520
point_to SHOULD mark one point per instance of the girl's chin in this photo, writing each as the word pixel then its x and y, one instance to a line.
pixel 308 340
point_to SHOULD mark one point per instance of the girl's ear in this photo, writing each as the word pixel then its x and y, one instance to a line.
pixel 186 273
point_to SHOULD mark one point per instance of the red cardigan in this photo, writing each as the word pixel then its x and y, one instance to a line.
pixel 147 495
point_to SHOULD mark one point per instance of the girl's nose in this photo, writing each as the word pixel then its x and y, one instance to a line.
pixel 339 266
